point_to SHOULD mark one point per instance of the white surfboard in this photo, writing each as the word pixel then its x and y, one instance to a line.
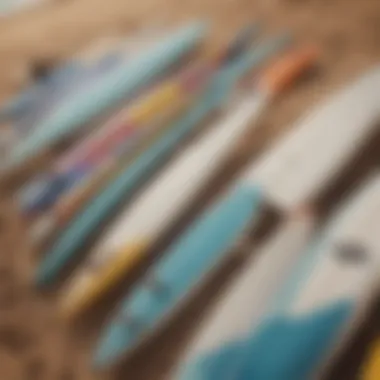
pixel 332 283
pixel 298 167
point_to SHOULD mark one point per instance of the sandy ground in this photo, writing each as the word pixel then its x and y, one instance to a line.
pixel 34 343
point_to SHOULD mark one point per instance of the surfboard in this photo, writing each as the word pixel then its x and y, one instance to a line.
pixel 176 188
pixel 313 313
pixel 290 175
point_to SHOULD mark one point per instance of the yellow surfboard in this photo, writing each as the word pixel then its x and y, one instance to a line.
pixel 371 368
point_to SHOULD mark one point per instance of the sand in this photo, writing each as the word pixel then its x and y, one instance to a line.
pixel 34 343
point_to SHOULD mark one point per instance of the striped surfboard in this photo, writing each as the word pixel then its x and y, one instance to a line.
pixel 188 85
pixel 115 138
pixel 212 99
pixel 120 84
pixel 174 190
